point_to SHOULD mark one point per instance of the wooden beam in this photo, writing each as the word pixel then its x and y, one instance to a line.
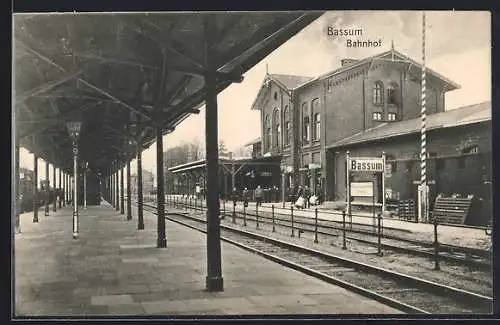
pixel 47 86
pixel 63 118
pixel 159 37
pixel 51 62
pixel 228 27
pixel 121 133
pixel 267 41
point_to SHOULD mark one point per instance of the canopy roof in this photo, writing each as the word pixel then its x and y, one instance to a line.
pixel 123 74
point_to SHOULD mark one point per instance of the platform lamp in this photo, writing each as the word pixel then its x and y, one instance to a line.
pixel 74 129
pixel 85 168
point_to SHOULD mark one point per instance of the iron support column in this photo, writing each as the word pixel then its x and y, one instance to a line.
pixel 47 189
pixel 122 190
pixel 35 188
pixel 117 186
pixel 214 280
pixel 140 216
pixel 54 207
pixel 112 184
pixel 75 190
pixel 17 201
pixel 65 188
pixel 162 239
pixel 129 193
pixel 60 190
pixel 85 187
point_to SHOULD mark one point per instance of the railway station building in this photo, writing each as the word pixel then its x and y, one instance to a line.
pixel 368 106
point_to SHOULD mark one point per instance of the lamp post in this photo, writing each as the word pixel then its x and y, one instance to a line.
pixel 74 129
pixel 85 185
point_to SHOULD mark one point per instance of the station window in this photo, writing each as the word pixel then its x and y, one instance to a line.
pixel 278 136
pixel 317 126
pixel 307 129
pixel 329 85
pixel 306 123
pixel 275 95
pixel 391 116
pixel 287 133
pixel 409 166
pixel 391 161
pixel 378 93
pixel 377 116
pixel 392 94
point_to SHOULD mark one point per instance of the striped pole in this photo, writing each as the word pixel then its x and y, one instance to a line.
pixel 423 154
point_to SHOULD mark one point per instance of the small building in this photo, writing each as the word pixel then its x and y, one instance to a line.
pixel 147 183
pixel 459 152
pixel 239 172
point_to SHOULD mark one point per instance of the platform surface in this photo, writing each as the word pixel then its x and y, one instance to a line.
pixel 115 269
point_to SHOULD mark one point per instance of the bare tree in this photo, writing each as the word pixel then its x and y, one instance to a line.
pixel 243 151
pixel 223 149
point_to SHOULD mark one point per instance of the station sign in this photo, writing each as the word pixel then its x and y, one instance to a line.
pixel 314 166
pixel 366 164
pixel 362 189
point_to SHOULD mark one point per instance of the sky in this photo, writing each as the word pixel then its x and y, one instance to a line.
pixel 458 46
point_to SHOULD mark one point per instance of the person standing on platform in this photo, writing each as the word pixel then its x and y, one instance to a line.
pixel 299 192
pixel 245 197
pixel 291 195
pixel 319 194
pixel 198 191
pixel 259 195
pixel 307 196
pixel 234 196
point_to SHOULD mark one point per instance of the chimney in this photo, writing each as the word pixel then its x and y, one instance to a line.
pixel 345 62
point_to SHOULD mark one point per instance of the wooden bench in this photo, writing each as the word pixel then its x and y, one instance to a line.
pixel 451 210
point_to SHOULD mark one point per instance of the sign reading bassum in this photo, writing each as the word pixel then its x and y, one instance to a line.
pixel 366 164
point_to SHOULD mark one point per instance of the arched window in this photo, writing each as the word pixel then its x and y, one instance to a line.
pixel 278 136
pixel 378 93
pixel 392 94
pixel 287 133
pixel 276 128
pixel 286 118
pixel 317 126
pixel 306 133
pixel 316 120
pixel 267 134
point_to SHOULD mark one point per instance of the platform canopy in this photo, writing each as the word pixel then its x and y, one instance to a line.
pixel 122 74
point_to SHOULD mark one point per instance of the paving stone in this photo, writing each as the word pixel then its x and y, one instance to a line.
pixel 281 300
pixel 140 260
pixel 164 306
pixel 126 310
pixel 136 246
pixel 112 300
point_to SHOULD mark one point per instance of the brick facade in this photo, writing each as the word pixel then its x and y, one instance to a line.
pixel 345 102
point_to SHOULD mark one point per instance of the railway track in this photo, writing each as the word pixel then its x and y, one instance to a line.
pixel 406 293
pixel 474 258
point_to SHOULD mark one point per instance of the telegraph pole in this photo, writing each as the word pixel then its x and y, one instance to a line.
pixel 423 188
